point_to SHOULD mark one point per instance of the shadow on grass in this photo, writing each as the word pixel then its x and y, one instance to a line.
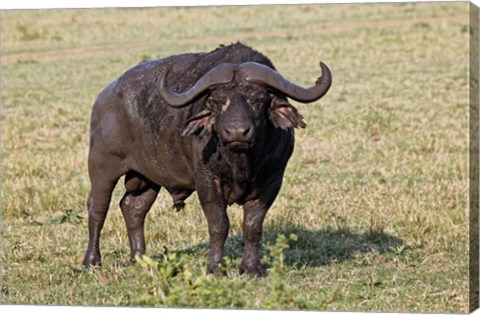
pixel 312 248
pixel 323 247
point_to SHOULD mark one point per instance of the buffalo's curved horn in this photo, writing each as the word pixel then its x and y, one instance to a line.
pixel 261 74
pixel 221 74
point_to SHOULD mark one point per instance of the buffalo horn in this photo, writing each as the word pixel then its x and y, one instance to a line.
pixel 261 74
pixel 221 74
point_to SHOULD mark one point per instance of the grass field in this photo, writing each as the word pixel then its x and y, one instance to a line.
pixel 376 191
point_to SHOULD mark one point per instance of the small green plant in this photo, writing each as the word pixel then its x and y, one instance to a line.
pixel 179 280
pixel 281 295
pixel 69 216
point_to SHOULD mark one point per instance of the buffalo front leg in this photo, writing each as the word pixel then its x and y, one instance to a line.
pixel 135 204
pixel 253 217
pixel 254 212
pixel 215 210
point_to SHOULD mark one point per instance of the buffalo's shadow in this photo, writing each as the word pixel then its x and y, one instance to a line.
pixel 313 248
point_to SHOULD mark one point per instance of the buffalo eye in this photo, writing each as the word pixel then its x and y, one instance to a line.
pixel 215 104
pixel 257 99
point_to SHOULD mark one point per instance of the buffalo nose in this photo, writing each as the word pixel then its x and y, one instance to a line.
pixel 238 133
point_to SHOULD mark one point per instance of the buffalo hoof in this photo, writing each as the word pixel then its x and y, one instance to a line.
pixel 92 261
pixel 255 270
pixel 133 260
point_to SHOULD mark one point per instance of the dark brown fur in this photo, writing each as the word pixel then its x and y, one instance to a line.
pixel 237 154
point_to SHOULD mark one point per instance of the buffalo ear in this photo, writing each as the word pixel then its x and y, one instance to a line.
pixel 198 124
pixel 284 115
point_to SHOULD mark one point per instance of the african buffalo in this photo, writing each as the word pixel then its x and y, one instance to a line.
pixel 218 123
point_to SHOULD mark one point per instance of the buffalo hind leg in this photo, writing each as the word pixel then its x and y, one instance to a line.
pixel 135 204
pixel 98 202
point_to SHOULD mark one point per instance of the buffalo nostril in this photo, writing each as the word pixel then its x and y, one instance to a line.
pixel 245 134
pixel 238 133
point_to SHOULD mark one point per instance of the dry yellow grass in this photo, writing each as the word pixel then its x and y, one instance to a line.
pixel 376 189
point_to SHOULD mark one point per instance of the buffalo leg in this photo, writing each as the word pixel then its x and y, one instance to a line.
pixel 254 212
pixel 98 203
pixel 253 217
pixel 135 204
pixel 215 210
